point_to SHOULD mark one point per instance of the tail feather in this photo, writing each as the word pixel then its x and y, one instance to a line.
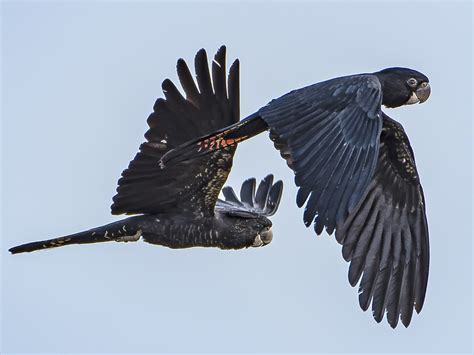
pixel 121 231
pixel 225 137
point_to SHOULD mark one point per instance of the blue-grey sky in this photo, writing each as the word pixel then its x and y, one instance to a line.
pixel 78 82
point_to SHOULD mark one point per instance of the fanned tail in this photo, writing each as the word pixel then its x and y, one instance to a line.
pixel 121 231
pixel 229 136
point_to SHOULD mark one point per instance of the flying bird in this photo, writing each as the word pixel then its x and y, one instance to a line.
pixel 357 177
pixel 178 207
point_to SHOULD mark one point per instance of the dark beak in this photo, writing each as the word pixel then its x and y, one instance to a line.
pixel 423 92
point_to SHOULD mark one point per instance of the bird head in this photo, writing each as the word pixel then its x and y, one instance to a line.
pixel 258 227
pixel 403 86
pixel 262 226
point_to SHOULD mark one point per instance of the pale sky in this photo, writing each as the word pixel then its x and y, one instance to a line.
pixel 78 82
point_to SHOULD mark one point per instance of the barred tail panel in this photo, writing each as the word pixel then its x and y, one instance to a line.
pixel 225 137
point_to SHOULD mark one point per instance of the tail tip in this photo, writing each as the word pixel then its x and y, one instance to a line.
pixel 15 250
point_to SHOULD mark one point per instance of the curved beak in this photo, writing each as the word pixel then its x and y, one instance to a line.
pixel 266 236
pixel 423 92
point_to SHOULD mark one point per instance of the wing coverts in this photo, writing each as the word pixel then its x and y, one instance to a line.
pixel 329 133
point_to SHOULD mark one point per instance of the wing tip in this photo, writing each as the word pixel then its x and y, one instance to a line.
pixel 200 57
pixel 221 52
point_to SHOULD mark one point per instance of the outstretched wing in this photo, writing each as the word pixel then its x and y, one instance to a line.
pixel 386 236
pixel 263 202
pixel 145 187
pixel 329 134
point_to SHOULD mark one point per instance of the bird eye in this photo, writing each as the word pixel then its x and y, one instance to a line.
pixel 412 82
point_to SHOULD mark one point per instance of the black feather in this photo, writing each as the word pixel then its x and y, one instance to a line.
pixel 385 236
pixel 145 187
pixel 247 192
pixel 264 202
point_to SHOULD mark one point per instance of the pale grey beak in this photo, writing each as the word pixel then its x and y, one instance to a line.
pixel 266 236
pixel 423 92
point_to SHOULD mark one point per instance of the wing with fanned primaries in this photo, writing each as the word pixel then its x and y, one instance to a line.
pixel 329 132
pixel 263 202
pixel 195 184
pixel 386 236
